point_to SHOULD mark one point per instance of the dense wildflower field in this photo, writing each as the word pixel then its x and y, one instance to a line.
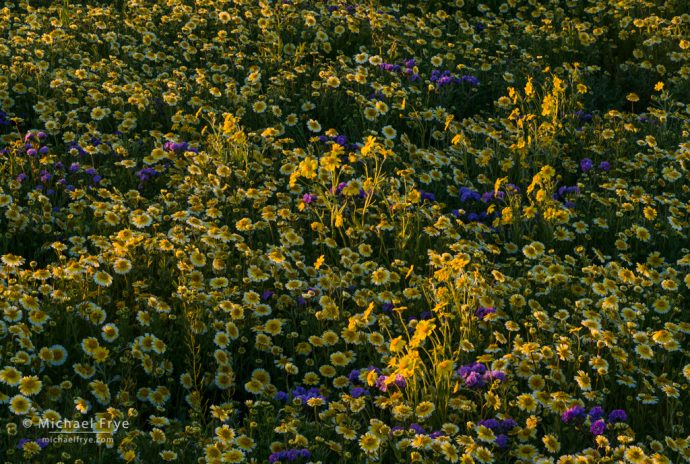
pixel 320 231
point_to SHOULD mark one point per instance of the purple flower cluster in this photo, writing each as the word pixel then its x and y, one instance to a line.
pixel 481 312
pixel 427 196
pixel 596 416
pixel 289 455
pixel 41 442
pixel 407 68
pixel 442 79
pixel 598 427
pixel 586 165
pixel 145 174
pixel 574 415
pixel 467 194
pixel 477 375
pixel 565 194
pixel 353 376
pixel 50 178
pixel 340 140
pixel 501 428
pixel 617 415
pixel 308 198
pixel 180 147
pixel 399 382
pixel 33 143
pixel 477 201
pixel 417 429
pixel 300 393
pixel 510 189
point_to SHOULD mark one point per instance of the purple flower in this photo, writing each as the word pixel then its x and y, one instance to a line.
pixel 481 313
pixel 31 152
pixel 381 383
pixel 474 379
pixel 289 455
pixel 146 173
pixel 353 376
pixel 74 167
pixel 573 415
pixel 598 427
pixel 494 375
pixel 508 424
pixel 356 392
pixel 427 196
pixel 583 117
pixel 418 429
pixel 487 196
pixel 400 381
pixel 502 441
pixel 605 166
pixel 618 415
pixel 472 80
pixel 492 424
pixel 586 164
pixel 266 295
pixel 23 442
pixel 467 194
pixel 308 198
pixel 596 413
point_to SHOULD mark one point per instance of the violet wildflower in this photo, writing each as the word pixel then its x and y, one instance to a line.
pixel 617 415
pixel 502 441
pixel 481 313
pixel 573 415
pixel 596 413
pixel 418 429
pixel 586 164
pixel 400 381
pixel 381 383
pixel 598 427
